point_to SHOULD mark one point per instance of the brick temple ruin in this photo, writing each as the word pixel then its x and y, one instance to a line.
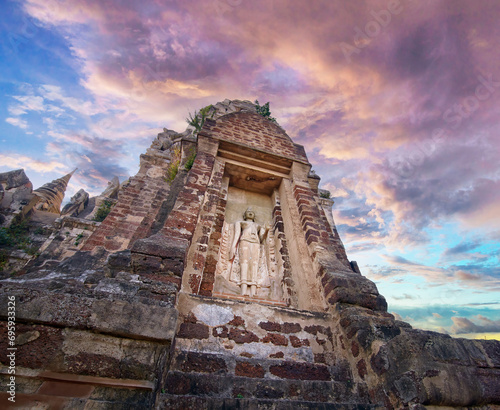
pixel 225 285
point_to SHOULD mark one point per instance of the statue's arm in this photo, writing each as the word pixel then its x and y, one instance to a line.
pixel 263 230
pixel 237 233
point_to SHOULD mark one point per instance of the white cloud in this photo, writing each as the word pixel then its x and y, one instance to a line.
pixel 17 122
pixel 21 161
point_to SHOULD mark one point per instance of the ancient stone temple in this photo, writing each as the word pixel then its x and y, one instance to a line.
pixel 218 280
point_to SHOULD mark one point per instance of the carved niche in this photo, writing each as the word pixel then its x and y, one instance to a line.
pixel 248 263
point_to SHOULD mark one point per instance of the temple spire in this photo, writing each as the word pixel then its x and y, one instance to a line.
pixel 51 194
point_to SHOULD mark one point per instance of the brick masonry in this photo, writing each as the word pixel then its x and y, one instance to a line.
pixel 252 130
pixel 142 328
pixel 132 217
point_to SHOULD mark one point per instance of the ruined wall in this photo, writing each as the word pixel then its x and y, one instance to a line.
pixel 138 318
pixel 331 339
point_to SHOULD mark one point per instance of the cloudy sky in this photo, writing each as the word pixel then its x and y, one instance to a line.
pixel 396 103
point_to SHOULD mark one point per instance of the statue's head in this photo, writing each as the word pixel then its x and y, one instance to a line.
pixel 249 214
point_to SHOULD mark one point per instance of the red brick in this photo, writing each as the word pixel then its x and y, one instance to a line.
pixel 270 326
pixel 290 327
pixel 355 348
pixel 296 342
pixel 194 283
pixel 246 354
pixel 242 336
pixel 190 318
pixel 94 365
pixel 202 363
pixel 277 355
pixel 246 369
pixel 361 366
pixel 314 329
pixel 193 331
pixel 237 321
pixel 39 353
pixel 319 358
pixel 275 339
pixel 300 371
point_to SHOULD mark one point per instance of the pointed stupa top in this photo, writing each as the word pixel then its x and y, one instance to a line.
pixel 51 194
pixel 66 178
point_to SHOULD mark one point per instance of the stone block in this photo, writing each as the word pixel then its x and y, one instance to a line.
pixel 162 246
pixel 119 317
pixel 146 263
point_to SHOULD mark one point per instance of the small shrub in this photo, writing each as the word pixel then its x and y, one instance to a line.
pixel 78 238
pixel 16 235
pixel 172 170
pixel 264 111
pixel 190 161
pixel 173 167
pixel 198 119
pixel 325 194
pixel 103 210
pixel 5 239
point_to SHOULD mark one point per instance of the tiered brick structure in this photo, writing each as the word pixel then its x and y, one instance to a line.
pixel 149 313
pixel 51 194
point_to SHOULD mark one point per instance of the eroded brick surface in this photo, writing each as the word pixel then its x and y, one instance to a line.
pixel 300 371
pixel 202 363
pixel 193 331
pixel 249 370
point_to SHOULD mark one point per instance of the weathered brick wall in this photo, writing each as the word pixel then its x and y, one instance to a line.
pixel 212 222
pixel 132 217
pixel 84 338
pixel 183 219
pixel 324 207
pixel 69 368
pixel 404 366
pixel 142 328
pixel 254 131
pixel 231 352
pixel 288 283
pixel 163 256
pixel 314 225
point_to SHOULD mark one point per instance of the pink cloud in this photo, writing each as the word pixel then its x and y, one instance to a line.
pixel 368 125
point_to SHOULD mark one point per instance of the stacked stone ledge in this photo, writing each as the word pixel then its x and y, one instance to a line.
pixel 146 289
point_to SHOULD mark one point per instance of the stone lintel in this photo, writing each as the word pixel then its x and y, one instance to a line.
pixel 256 168
pixel 268 164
